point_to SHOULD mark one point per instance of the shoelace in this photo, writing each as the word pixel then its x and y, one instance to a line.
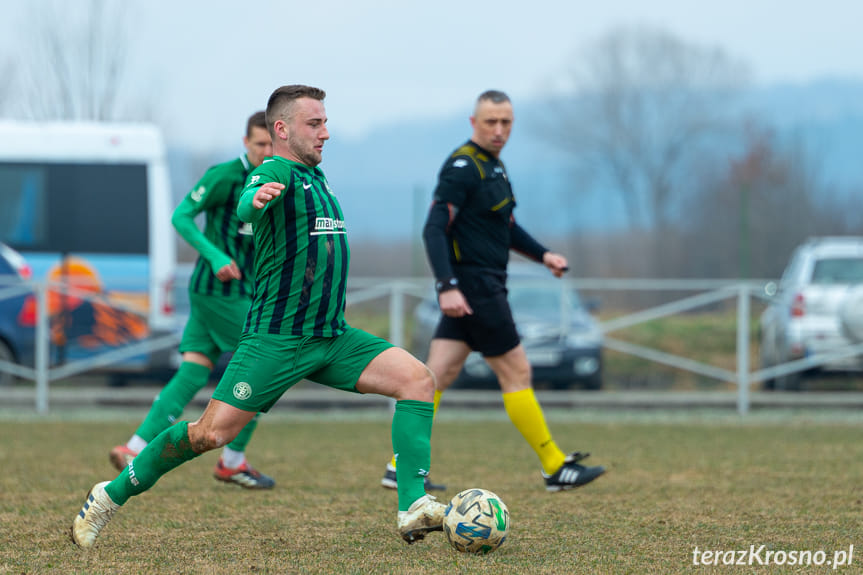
pixel 100 514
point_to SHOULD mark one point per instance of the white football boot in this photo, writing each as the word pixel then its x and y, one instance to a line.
pixel 424 515
pixel 97 511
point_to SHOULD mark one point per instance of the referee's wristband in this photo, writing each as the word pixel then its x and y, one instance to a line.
pixel 446 285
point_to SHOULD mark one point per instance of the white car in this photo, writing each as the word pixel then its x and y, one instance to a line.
pixel 803 317
pixel 851 314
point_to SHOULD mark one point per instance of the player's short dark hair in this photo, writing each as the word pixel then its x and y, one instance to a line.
pixel 281 100
pixel 495 96
pixel 256 120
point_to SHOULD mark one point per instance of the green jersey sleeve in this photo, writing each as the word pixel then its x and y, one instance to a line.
pixel 246 210
pixel 209 192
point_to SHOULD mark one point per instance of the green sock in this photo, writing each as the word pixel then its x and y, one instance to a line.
pixel 411 432
pixel 242 440
pixel 174 397
pixel 168 450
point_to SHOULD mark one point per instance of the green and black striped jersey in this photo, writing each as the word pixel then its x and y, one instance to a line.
pixel 225 236
pixel 301 253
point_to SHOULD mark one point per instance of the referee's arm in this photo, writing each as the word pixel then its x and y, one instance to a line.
pixel 524 243
pixel 436 239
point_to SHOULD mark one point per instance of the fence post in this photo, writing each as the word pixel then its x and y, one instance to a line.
pixel 397 312
pixel 743 350
pixel 42 342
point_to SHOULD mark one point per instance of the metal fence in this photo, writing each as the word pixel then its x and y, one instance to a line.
pixel 398 291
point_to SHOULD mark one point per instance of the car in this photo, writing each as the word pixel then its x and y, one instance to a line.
pixel 562 339
pixel 17 326
pixel 802 317
pixel 851 314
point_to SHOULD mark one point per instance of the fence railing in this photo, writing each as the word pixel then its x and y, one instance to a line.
pixel 397 291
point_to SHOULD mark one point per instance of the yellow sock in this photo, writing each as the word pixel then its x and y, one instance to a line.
pixel 437 395
pixel 526 414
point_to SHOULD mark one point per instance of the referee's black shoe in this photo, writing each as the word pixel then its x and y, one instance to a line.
pixel 572 474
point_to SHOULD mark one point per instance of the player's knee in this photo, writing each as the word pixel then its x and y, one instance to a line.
pixel 447 374
pixel 205 438
pixel 524 373
pixel 420 383
pixel 515 377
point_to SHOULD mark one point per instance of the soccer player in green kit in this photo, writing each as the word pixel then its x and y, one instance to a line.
pixel 295 329
pixel 220 291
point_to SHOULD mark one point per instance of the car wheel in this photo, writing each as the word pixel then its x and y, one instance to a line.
pixel 557 384
pixel 790 382
pixel 770 383
pixel 594 382
pixel 6 354
pixel 765 362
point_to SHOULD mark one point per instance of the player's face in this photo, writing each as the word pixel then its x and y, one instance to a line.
pixel 492 124
pixel 259 145
pixel 306 132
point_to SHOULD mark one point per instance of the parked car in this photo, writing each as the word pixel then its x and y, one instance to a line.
pixel 17 329
pixel 802 317
pixel 562 339
pixel 851 314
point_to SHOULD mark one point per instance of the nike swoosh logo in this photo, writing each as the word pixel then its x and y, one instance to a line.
pixel 306 186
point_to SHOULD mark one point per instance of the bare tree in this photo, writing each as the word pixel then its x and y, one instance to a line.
pixel 73 61
pixel 750 212
pixel 645 100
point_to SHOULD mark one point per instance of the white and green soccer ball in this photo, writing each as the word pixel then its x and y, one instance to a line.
pixel 476 521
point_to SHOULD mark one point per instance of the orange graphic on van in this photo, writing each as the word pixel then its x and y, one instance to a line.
pixel 80 309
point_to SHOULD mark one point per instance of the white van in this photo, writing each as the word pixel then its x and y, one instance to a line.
pixel 91 203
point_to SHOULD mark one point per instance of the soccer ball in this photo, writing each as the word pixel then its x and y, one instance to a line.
pixel 476 521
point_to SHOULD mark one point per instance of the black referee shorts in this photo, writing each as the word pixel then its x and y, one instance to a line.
pixel 490 330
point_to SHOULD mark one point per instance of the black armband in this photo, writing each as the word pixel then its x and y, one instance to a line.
pixel 446 285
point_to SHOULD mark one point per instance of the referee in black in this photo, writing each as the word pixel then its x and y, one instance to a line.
pixel 468 235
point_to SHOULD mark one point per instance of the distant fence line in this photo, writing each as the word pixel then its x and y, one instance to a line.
pixel 397 291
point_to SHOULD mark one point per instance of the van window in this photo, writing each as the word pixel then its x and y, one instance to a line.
pixel 69 208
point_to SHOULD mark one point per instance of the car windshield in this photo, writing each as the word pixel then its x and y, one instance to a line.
pixel 539 300
pixel 837 271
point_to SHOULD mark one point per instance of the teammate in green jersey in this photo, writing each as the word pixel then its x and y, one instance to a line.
pixel 295 330
pixel 220 291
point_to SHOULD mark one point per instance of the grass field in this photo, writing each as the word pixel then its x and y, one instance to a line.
pixel 790 483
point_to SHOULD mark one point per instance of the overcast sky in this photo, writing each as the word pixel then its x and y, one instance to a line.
pixel 204 66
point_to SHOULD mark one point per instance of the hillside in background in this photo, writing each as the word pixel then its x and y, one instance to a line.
pixel 385 180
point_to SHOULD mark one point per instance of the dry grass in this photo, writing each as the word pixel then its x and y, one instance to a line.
pixel 787 484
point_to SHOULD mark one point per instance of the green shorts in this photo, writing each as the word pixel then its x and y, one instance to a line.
pixel 215 324
pixel 265 366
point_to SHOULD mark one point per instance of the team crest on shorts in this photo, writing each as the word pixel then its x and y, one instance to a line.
pixel 242 390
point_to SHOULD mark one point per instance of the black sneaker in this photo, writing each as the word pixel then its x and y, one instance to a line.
pixel 572 474
pixel 389 480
